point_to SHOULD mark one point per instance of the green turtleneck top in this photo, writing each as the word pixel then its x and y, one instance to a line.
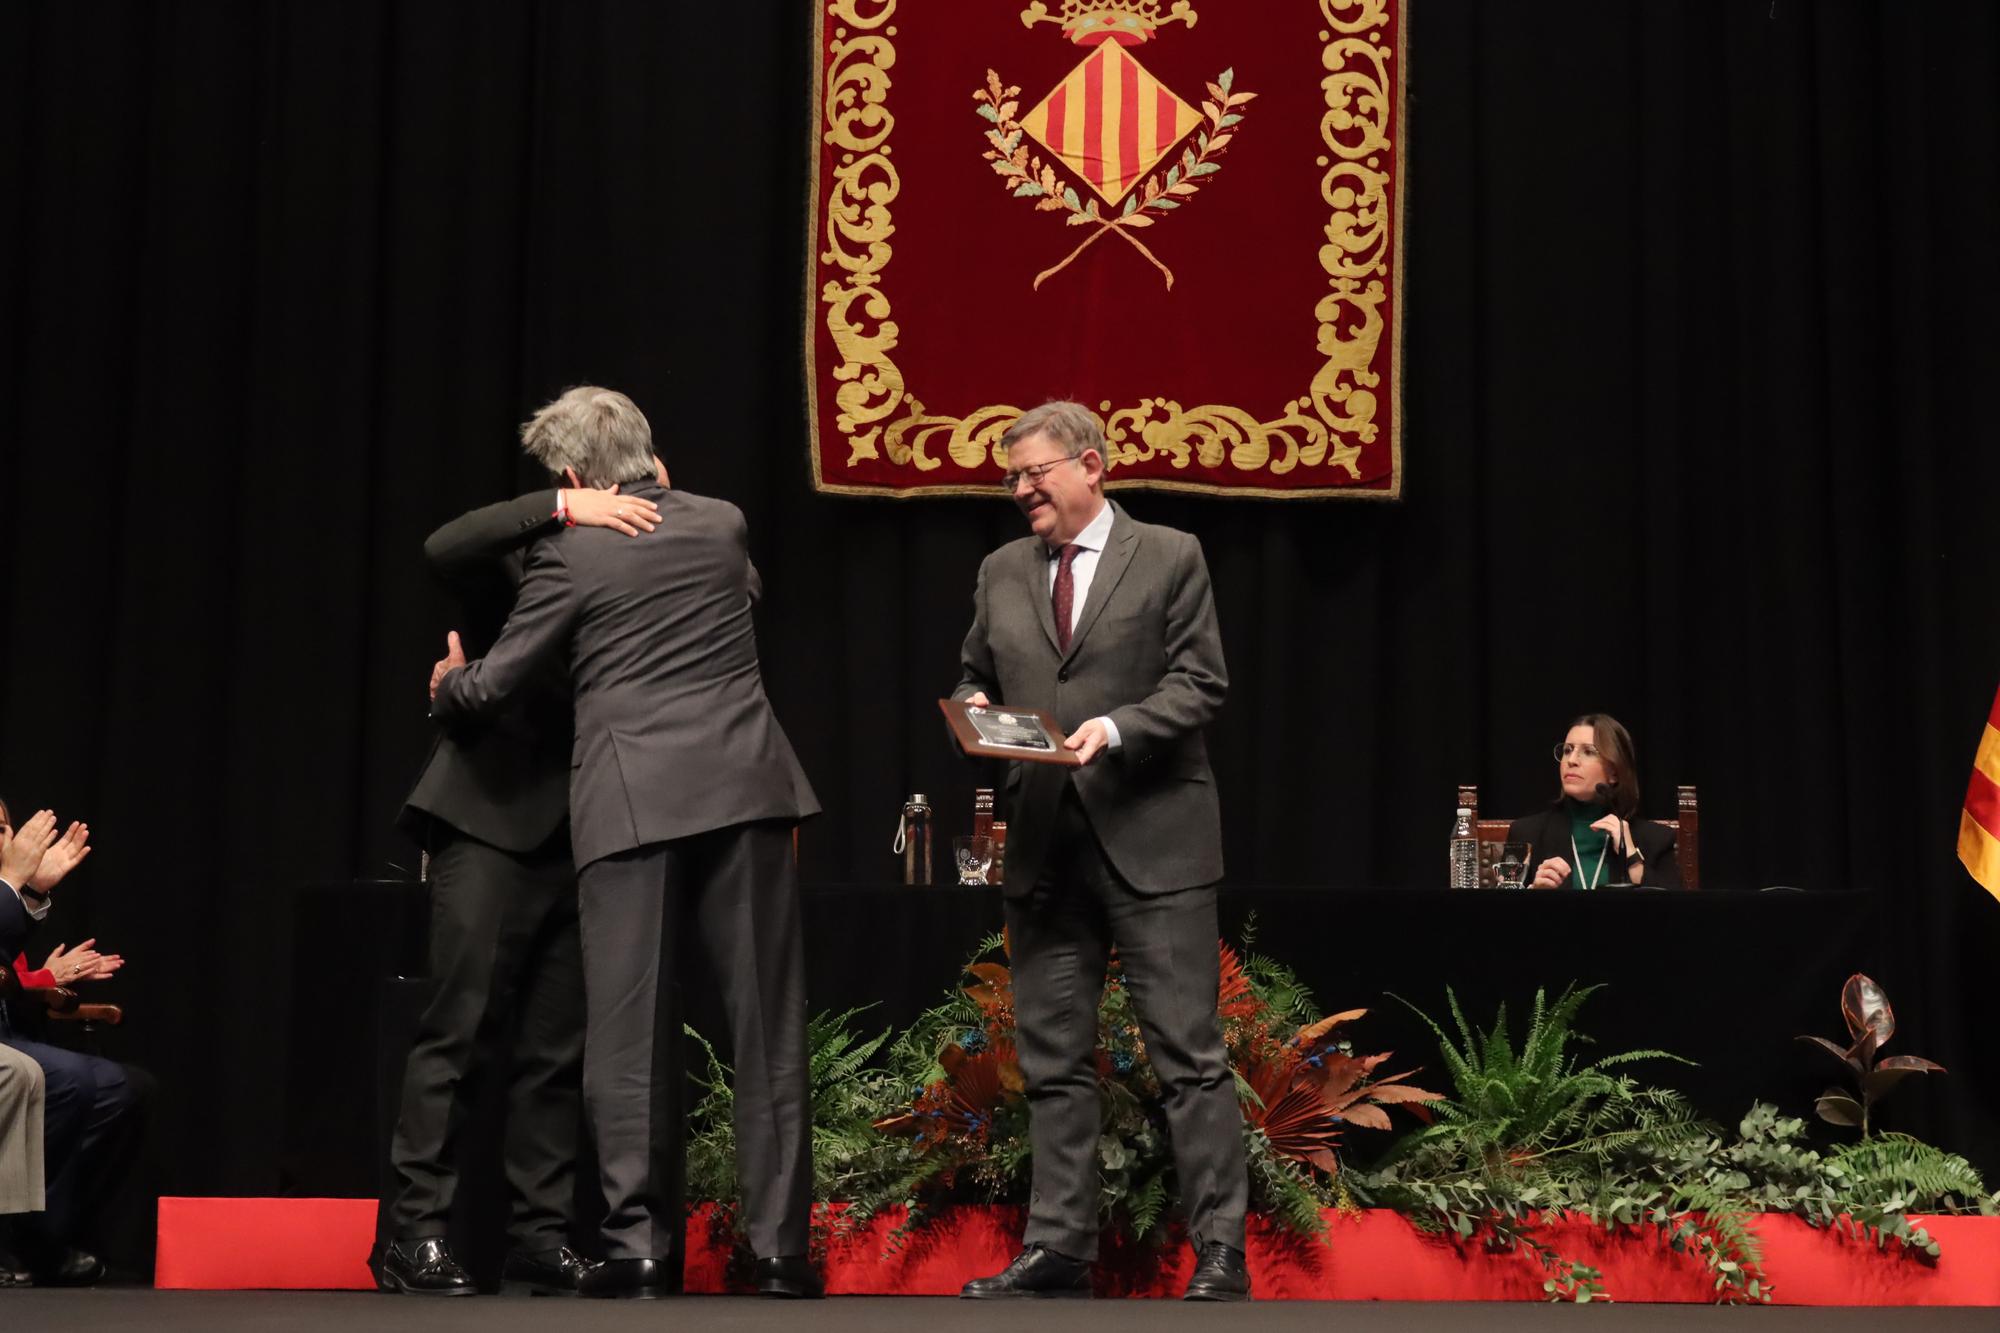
pixel 1586 871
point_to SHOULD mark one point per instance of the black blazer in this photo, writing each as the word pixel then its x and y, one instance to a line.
pixel 1549 832
pixel 503 780
pixel 15 924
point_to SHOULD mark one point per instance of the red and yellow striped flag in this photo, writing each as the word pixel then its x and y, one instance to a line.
pixel 1979 826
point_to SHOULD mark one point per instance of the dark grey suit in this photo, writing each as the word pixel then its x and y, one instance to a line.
pixel 1124 852
pixel 683 789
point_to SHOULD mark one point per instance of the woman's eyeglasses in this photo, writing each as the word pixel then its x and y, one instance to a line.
pixel 1565 750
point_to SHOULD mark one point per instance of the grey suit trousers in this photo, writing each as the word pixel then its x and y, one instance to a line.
pixel 23 1095
pixel 1062 932
pixel 734 888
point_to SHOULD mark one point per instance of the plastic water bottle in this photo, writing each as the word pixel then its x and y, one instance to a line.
pixel 1464 851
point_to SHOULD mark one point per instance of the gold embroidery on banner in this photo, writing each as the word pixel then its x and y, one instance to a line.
pixel 1325 427
pixel 858 125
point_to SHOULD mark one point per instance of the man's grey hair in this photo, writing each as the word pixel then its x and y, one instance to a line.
pixel 599 432
pixel 1071 425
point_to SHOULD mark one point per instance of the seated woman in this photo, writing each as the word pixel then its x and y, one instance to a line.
pixel 1591 837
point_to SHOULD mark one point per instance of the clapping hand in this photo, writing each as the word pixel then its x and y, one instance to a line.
pixel 83 963
pixel 22 852
pixel 453 659
pixel 63 856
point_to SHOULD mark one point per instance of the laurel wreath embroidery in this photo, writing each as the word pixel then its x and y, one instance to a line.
pixel 1027 176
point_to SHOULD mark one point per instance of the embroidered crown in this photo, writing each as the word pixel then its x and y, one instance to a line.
pixel 1126 22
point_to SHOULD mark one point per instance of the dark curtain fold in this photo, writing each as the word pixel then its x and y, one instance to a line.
pixel 1699 352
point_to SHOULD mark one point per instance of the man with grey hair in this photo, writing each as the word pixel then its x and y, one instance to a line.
pixel 490 808
pixel 683 793
pixel 1109 625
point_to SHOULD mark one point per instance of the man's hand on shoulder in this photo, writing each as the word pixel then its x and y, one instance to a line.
pixel 1088 740
pixel 453 659
pixel 589 508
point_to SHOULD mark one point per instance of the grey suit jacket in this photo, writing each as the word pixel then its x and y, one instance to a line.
pixel 674 735
pixel 1147 653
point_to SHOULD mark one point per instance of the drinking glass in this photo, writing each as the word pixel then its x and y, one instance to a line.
pixel 974 857
pixel 1511 866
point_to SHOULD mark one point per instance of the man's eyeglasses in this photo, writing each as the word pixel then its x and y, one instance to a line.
pixel 1565 750
pixel 1034 472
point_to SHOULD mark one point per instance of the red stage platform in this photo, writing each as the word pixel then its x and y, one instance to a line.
pixel 1378 1256
pixel 322 1244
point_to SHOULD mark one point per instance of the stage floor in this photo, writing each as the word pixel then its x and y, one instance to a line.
pixel 137 1308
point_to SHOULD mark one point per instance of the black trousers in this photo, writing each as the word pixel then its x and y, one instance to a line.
pixel 1062 932
pixel 734 889
pixel 92 1129
pixel 504 952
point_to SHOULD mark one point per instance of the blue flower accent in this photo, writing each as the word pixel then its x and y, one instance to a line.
pixel 972 1041
pixel 1122 1061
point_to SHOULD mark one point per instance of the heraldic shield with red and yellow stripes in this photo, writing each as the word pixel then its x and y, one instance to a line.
pixel 1185 214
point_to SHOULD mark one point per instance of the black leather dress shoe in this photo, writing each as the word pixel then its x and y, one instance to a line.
pixel 73 1268
pixel 13 1272
pixel 789 1277
pixel 544 1272
pixel 1220 1274
pixel 1035 1272
pixel 630 1279
pixel 420 1268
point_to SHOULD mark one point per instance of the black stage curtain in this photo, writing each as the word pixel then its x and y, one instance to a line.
pixel 1699 354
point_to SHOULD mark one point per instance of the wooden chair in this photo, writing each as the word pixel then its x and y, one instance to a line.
pixel 61 1002
pixel 1492 833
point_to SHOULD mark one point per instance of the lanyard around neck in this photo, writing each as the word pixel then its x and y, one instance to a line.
pixel 1596 874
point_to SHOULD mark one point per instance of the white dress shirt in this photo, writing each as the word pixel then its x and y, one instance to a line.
pixel 1090 545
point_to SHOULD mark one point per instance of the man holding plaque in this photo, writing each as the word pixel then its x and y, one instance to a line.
pixel 1108 625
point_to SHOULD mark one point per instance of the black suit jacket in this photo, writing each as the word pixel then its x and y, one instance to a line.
pixel 1549 832
pixel 503 779
pixel 15 923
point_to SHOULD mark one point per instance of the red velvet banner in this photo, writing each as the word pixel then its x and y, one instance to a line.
pixel 1186 214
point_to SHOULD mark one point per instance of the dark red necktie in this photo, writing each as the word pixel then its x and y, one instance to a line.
pixel 1063 598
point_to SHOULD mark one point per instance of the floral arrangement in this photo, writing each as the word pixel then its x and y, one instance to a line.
pixel 1530 1133
pixel 1301 1084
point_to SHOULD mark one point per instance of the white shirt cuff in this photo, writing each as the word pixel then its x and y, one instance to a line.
pixel 37 913
pixel 1112 740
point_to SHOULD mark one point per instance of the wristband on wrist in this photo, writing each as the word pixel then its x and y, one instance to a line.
pixel 30 891
pixel 562 510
